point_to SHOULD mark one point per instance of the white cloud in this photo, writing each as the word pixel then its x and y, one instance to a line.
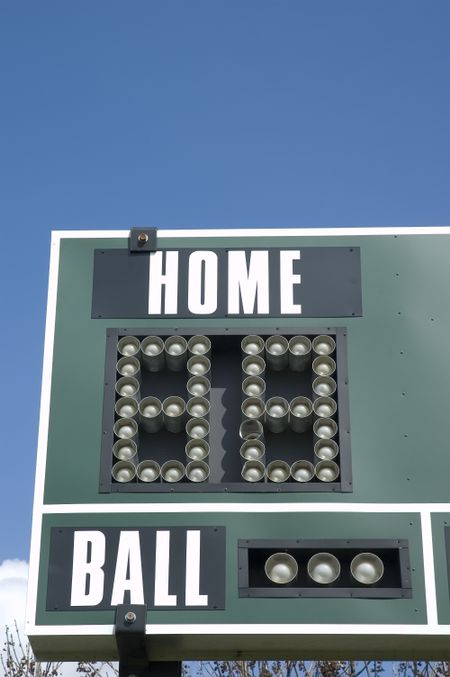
pixel 13 590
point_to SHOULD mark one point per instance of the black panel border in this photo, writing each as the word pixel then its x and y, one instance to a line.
pixel 358 591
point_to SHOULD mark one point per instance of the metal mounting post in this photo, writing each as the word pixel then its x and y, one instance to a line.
pixel 131 645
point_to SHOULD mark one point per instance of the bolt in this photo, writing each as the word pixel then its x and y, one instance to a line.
pixel 130 617
pixel 143 238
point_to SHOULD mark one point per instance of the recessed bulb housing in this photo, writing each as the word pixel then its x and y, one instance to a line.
pixel 123 471
pixel 128 346
pixel 152 353
pixel 302 471
pixel 150 414
pixel 199 345
pixel 278 471
pixel 299 353
pixel 253 471
pixel 367 568
pixel 300 414
pixel 252 345
pixel 172 471
pixel 148 471
pixel 277 414
pixel 323 568
pixel 281 568
pixel 324 345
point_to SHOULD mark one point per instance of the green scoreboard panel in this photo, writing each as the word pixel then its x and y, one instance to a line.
pixel 248 433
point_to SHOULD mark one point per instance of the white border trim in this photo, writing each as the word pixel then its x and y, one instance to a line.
pixel 44 416
pixel 262 232
pixel 428 568
pixel 248 629
pixel 169 508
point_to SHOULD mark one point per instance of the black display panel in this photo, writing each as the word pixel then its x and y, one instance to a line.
pixel 288 453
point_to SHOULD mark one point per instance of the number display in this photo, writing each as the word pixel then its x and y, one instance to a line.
pixel 227 411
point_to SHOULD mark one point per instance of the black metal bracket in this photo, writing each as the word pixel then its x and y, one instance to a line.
pixel 142 240
pixel 131 645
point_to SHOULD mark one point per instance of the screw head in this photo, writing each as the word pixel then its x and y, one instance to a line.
pixel 130 617
pixel 142 238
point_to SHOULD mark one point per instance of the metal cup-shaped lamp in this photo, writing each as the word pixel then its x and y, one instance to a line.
pixel 253 450
pixel 174 413
pixel 324 386
pixel 300 414
pixel 253 407
pixel 128 386
pixel 327 471
pixel 251 429
pixel 325 428
pixel 367 568
pixel 128 346
pixel 128 366
pixel 198 386
pixel 150 414
pixel 148 471
pixel 198 407
pixel 253 386
pixel 302 471
pixel 126 429
pixel 126 407
pixel 199 345
pixel 172 471
pixel 324 365
pixel 326 450
pixel 252 345
pixel 278 471
pixel 324 568
pixel 123 471
pixel 199 365
pixel 281 568
pixel 253 365
pixel 277 352
pixel 277 414
pixel 125 449
pixel 299 357
pixel 197 449
pixel 152 353
pixel 325 407
pixel 197 428
pixel 323 345
pixel 175 351
pixel 197 471
pixel 253 471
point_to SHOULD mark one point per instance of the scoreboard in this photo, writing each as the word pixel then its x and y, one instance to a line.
pixel 245 434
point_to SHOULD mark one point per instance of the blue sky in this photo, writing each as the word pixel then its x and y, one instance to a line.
pixel 207 113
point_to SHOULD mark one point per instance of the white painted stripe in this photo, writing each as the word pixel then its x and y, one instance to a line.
pixel 254 629
pixel 428 567
pixel 174 508
pixel 263 232
pixel 43 428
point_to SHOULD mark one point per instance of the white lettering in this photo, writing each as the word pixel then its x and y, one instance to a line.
pixel 192 590
pixel 202 287
pixel 88 577
pixel 251 285
pixel 128 561
pixel 287 282
pixel 156 280
pixel 162 560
